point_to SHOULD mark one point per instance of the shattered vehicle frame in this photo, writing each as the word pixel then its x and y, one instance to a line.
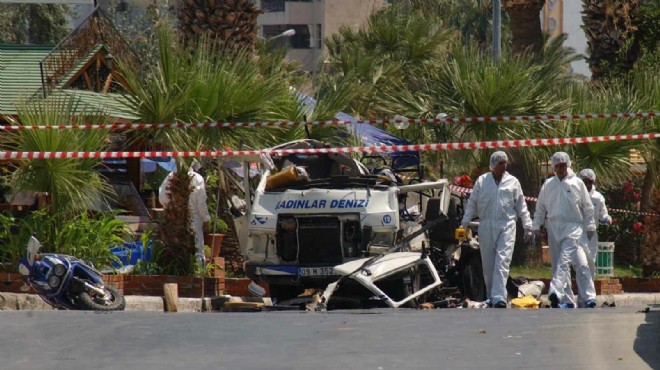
pixel 319 218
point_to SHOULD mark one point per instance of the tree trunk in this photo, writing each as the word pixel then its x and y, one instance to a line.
pixel 609 26
pixel 649 252
pixel 176 234
pixel 525 22
pixel 648 185
pixel 230 251
pixel 232 22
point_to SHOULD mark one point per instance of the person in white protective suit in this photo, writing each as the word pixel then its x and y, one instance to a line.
pixel 588 176
pixel 497 199
pixel 564 207
pixel 199 213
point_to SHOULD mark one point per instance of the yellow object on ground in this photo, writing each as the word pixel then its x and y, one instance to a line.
pixel 525 302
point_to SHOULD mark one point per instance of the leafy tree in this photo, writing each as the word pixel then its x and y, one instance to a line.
pixel 33 23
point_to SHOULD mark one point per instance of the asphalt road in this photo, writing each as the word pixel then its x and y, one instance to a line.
pixel 616 338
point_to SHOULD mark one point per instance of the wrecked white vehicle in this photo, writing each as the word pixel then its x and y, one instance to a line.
pixel 316 218
pixel 395 279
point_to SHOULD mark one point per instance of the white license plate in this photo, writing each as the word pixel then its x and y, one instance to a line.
pixel 316 271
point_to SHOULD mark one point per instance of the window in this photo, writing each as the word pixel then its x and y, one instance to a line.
pixel 272 5
pixel 301 40
pixel 318 36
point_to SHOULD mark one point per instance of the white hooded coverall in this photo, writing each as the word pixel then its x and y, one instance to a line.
pixel 199 212
pixel 565 208
pixel 600 211
pixel 497 207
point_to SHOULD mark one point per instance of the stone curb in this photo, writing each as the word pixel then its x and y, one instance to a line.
pixel 31 302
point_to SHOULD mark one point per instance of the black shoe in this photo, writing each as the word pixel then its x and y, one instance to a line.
pixel 500 304
pixel 554 300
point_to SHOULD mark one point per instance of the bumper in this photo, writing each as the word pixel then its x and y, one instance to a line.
pixel 290 275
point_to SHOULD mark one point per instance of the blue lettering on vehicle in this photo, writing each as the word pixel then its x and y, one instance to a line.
pixel 387 219
pixel 321 203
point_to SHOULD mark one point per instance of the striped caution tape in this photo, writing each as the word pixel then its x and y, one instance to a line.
pixel 463 190
pixel 143 126
pixel 358 149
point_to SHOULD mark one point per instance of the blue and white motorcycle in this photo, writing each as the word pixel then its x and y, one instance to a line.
pixel 68 283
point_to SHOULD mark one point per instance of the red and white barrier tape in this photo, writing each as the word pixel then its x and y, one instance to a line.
pixel 357 149
pixel 127 126
pixel 463 190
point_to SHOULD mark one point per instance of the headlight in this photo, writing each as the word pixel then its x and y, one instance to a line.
pixel 54 282
pixel 59 270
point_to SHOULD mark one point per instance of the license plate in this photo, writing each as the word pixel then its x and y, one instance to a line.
pixel 316 271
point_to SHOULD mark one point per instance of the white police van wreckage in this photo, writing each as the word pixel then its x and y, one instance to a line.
pixel 317 219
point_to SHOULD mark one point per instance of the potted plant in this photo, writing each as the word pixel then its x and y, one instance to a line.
pixel 217 230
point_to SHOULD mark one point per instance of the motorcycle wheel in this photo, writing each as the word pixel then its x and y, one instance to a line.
pixel 92 303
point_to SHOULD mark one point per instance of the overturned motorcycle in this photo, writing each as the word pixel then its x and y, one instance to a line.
pixel 66 282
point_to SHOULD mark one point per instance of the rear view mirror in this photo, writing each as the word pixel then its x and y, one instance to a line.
pixel 33 246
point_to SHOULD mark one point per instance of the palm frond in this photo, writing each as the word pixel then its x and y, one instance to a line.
pixel 73 185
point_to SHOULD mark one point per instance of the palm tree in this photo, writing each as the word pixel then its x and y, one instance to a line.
pixel 233 22
pixel 610 160
pixel 470 83
pixel 209 82
pixel 646 83
pixel 609 26
pixel 73 186
pixel 525 22
pixel 395 39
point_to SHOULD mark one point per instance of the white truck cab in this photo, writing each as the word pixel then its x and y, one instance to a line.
pixel 312 212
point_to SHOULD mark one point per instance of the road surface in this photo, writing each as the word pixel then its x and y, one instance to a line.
pixel 612 338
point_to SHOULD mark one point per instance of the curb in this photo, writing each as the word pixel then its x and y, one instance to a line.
pixel 32 302
pixel 635 299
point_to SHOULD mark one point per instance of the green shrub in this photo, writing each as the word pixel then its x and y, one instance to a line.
pixel 627 230
pixel 84 237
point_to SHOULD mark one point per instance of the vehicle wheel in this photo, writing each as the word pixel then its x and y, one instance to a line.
pixel 115 301
pixel 281 292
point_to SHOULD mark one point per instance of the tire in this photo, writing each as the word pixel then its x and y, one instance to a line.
pixel 117 303
pixel 282 293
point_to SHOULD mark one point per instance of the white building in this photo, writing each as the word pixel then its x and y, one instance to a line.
pixel 313 21
pixel 560 16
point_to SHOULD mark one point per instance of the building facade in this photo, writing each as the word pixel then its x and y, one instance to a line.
pixel 565 16
pixel 313 21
